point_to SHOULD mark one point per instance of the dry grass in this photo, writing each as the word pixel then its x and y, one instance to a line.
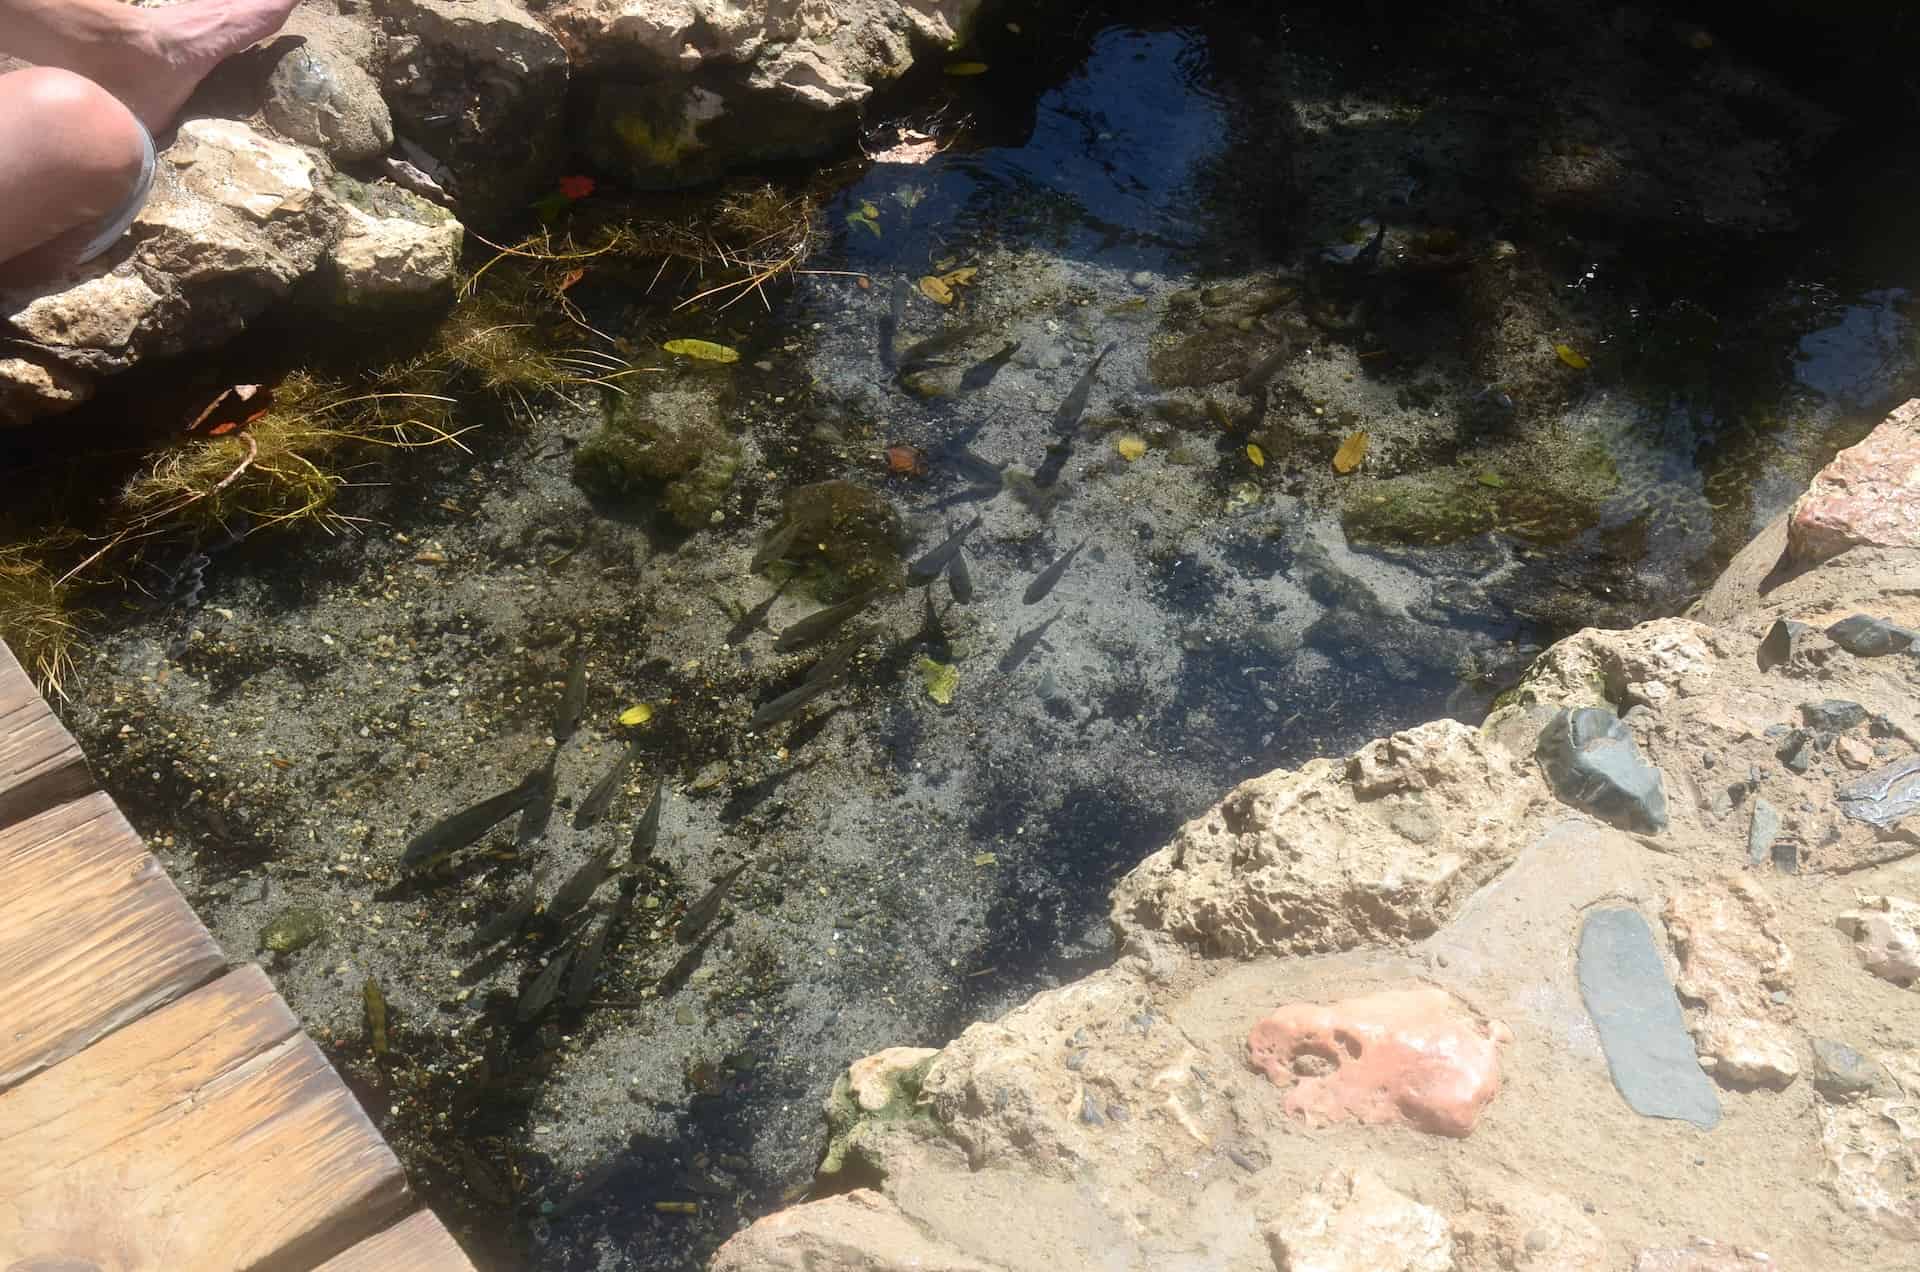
pixel 37 620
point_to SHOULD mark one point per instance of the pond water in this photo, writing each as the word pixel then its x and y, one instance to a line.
pixel 1581 430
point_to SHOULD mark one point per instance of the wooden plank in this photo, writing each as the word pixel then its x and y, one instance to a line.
pixel 40 763
pixel 209 1135
pixel 417 1243
pixel 92 934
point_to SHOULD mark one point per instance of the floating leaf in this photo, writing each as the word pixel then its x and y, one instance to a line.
pixel 1131 447
pixel 705 350
pixel 864 221
pixel 576 187
pixel 966 68
pixel 1258 456
pixel 638 714
pixel 1493 481
pixel 962 277
pixel 868 210
pixel 1571 356
pixel 940 679
pixel 1351 452
pixel 985 858
pixel 936 291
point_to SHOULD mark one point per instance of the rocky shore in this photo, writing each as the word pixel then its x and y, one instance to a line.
pixel 1621 979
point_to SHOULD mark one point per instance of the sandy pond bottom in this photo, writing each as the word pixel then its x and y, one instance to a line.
pixel 912 866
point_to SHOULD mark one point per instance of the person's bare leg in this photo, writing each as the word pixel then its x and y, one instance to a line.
pixel 151 59
pixel 70 154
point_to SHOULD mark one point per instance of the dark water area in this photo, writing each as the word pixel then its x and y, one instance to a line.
pixel 1600 299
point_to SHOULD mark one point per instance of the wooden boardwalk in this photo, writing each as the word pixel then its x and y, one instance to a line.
pixel 160 1111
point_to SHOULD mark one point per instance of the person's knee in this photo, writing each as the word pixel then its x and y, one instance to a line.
pixel 99 146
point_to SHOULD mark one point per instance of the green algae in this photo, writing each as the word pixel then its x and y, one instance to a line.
pixel 674 442
pixel 846 538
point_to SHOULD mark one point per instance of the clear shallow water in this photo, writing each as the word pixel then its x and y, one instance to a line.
pixel 918 866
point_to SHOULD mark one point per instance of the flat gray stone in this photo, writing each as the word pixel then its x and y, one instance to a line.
pixel 1840 1073
pixel 1865 636
pixel 1762 829
pixel 1833 715
pixel 1591 761
pixel 1649 1052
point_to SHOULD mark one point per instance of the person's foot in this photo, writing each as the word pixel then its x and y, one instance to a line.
pixel 168 51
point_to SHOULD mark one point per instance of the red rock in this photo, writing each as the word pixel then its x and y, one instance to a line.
pixel 1868 496
pixel 1411 1056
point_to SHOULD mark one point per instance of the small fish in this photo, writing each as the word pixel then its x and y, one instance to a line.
pixel 929 567
pixel 646 831
pixel 1044 581
pixel 539 810
pixel 451 834
pixel 586 965
pixel 749 622
pixel 511 919
pixel 1024 644
pixel 775 548
pixel 573 700
pixel 788 704
pixel 959 578
pixel 823 622
pixel 1067 418
pixel 980 374
pixel 600 798
pixel 1255 380
pixel 976 469
pixel 539 994
pixel 927 352
pixel 376 1003
pixel 1367 257
pixel 701 912
pixel 890 324
pixel 579 889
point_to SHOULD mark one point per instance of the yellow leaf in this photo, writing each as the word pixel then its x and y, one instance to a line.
pixel 1569 355
pixel 966 68
pixel 1131 447
pixel 868 210
pixel 939 678
pixel 1258 456
pixel 637 714
pixel 864 222
pixel 705 350
pixel 936 291
pixel 985 858
pixel 1351 452
pixel 960 277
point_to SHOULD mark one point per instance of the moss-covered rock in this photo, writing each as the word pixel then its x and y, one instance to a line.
pixel 876 1097
pixel 846 538
pixel 1444 506
pixel 674 442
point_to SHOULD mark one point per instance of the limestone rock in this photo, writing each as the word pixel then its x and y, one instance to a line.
pixel 1873 1160
pixel 687 89
pixel 1414 1057
pixel 481 86
pixel 859 1231
pixel 1868 495
pixel 873 1081
pixel 1590 758
pixel 1731 962
pixel 320 97
pixel 395 249
pixel 234 221
pixel 30 388
pixel 1885 931
pixel 1318 859
pixel 1354 1222
pixel 1617 669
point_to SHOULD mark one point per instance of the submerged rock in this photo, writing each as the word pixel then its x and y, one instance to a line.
pixel 1590 758
pixel 1649 1054
pixel 673 440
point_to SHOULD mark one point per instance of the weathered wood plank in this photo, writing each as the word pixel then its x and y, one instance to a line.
pixel 40 763
pixel 92 934
pixel 210 1134
pixel 417 1243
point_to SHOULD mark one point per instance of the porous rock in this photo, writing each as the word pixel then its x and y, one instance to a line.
pixel 1648 664
pixel 1873 1160
pixel 1354 1222
pixel 1415 1057
pixel 1309 860
pixel 1506 1226
pixel 1885 931
pixel 395 249
pixel 859 1231
pixel 1868 494
pixel 1731 963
